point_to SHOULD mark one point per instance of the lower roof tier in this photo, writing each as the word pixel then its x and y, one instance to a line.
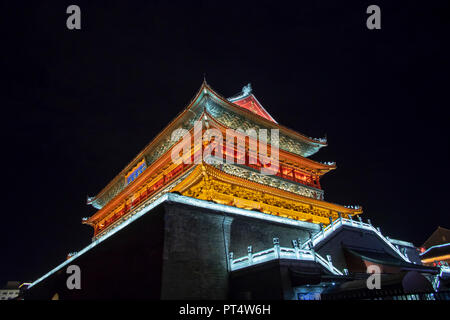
pixel 226 185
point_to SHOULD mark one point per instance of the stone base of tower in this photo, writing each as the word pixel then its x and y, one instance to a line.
pixel 175 250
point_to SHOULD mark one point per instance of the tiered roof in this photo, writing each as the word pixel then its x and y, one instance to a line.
pixel 294 193
pixel 227 113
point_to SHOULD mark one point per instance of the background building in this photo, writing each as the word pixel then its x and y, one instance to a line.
pixel 436 252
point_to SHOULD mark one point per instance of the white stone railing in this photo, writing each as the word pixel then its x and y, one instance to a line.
pixel 443 270
pixel 338 223
pixel 277 252
pixel 328 264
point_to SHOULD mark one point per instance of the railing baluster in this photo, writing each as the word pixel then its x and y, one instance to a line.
pixel 276 246
pixel 295 244
pixel 250 255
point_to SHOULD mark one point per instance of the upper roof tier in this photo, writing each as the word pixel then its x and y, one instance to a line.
pixel 240 112
pixel 247 100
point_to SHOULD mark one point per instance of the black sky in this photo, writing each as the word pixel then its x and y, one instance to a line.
pixel 77 106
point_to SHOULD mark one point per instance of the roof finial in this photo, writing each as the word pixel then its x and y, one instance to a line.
pixel 246 90
pixel 204 77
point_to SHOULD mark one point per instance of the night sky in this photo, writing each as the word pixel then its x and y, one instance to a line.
pixel 78 105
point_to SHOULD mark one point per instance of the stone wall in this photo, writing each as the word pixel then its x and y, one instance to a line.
pixel 174 251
